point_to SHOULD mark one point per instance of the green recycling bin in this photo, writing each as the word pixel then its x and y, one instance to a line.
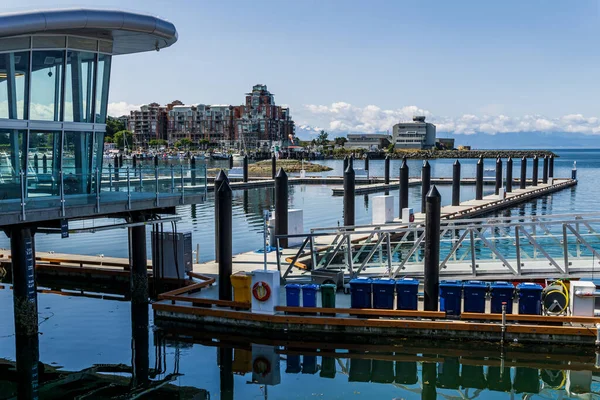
pixel 328 295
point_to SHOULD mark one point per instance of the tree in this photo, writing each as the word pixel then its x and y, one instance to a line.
pixel 108 139
pixel 340 141
pixel 113 126
pixel 123 139
pixel 157 142
pixel 183 143
pixel 322 138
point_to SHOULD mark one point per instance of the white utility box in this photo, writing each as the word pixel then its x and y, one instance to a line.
pixel 501 193
pixel 383 210
pixel 550 181
pixel 266 368
pixel 408 215
pixel 581 299
pixel 265 291
pixel 579 384
pixel 295 227
pixel 302 173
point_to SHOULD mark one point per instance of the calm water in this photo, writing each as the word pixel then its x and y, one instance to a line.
pixel 77 333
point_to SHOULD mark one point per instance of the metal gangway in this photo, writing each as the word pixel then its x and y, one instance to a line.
pixel 535 246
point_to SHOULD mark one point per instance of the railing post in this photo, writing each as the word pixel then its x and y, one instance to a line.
pixel 456 183
pixel 62 193
pixel 349 193
pixel 386 169
pixel 425 183
pixel 523 181
pixel 498 176
pixel 98 187
pixel 172 179
pixel 281 206
pixel 403 186
pixel 509 174
pixel 23 191
pixel 545 169
pixel 432 249
pixel 479 180
pixel 128 189
pixel 566 247
pixel 518 249
pixel 534 176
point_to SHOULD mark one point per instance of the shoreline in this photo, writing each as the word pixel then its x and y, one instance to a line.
pixel 441 154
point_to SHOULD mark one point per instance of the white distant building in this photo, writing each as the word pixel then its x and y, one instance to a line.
pixel 417 134
pixel 367 141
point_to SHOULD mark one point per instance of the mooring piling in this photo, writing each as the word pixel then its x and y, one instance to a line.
pixel 403 186
pixel 245 168
pixel 498 176
pixel 509 174
pixel 551 167
pixel 425 183
pixel 545 170
pixel 387 170
pixel 193 170
pixel 230 161
pixel 366 162
pixel 456 183
pixel 523 181
pixel 349 192
pixel 281 206
pixel 224 198
pixel 479 179
pixel 273 166
pixel 433 212
pixel 139 260
pixel 221 177
pixel 534 176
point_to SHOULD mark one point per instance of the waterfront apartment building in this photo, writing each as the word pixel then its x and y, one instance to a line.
pixel 417 134
pixel 257 124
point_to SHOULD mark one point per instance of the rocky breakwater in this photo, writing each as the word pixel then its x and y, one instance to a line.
pixel 433 154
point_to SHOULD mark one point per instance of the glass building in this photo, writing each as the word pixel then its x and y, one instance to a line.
pixel 54 83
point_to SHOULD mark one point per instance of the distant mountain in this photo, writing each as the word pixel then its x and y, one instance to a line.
pixel 514 140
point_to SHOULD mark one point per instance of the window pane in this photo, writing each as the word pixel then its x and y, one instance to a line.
pixel 43 164
pixel 46 85
pixel 102 87
pixel 11 151
pixel 79 86
pixel 14 68
pixel 77 162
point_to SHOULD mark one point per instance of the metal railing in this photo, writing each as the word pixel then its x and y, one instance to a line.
pixel 552 246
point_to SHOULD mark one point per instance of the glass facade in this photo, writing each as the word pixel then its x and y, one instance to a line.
pixel 14 70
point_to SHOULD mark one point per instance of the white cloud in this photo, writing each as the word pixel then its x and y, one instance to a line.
pixel 344 117
pixel 121 108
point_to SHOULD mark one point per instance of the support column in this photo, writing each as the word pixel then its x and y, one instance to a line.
pixel 387 169
pixel 479 180
pixel 366 162
pixel 534 176
pixel 221 177
pixel 139 261
pixel 245 168
pixel 226 373
pixel 509 174
pixel 456 183
pixel 349 193
pixel 273 166
pixel 425 183
pixel 281 206
pixel 498 176
pixel 224 198
pixel 22 249
pixel 403 186
pixel 523 182
pixel 27 357
pixel 545 170
pixel 551 167
pixel 193 170
pixel 432 249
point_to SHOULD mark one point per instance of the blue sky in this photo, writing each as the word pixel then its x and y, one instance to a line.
pixel 470 66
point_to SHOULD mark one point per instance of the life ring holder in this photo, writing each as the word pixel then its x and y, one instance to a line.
pixel 261 291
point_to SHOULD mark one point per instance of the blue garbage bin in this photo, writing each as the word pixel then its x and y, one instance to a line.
pixel 360 293
pixel 309 295
pixel 501 292
pixel 383 293
pixel 450 297
pixel 530 298
pixel 407 294
pixel 309 365
pixel 292 295
pixel 474 292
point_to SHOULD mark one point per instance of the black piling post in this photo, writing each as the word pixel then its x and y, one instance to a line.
pixel 366 162
pixel 273 166
pixel 245 168
pixel 498 176
pixel 403 186
pixel 120 160
pixel 509 174
pixel 226 373
pixel 156 161
pixel 139 261
pixel 28 366
pixel 551 167
pixel 425 183
pixel 479 180
pixel 281 206
pixel 224 198
pixel 116 161
pixel 221 177
pixel 432 249
pixel 36 164
pixel 545 170
pixel 193 170
pixel 345 167
pixel 429 379
pixel 534 176
pixel 351 160
pixel 22 248
pixel 134 162
pixel 44 164
pixel 349 192
pixel 140 345
pixel 230 159
pixel 387 169
pixel 523 181
pixel 456 183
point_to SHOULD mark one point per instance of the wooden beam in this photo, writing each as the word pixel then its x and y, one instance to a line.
pixel 531 318
pixel 364 311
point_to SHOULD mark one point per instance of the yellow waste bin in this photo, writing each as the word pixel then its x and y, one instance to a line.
pixel 241 287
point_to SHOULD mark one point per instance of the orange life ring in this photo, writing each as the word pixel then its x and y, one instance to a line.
pixel 261 291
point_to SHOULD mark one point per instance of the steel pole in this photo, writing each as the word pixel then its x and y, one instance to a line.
pixel 403 186
pixel 425 183
pixel 498 176
pixel 456 183
pixel 367 162
pixel 387 169
pixel 281 206
pixel 273 166
pixel 545 170
pixel 523 181
pixel 509 174
pixel 432 249
pixel 245 168
pixel 349 193
pixel 224 198
pixel 534 176
pixel 221 177
pixel 551 167
pixel 139 261
pixel 479 180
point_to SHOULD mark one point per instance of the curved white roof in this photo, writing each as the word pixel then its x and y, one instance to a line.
pixel 130 32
